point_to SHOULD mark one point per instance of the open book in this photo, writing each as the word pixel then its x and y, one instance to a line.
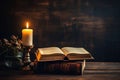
pixel 56 53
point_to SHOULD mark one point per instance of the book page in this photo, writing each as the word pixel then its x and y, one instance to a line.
pixel 49 54
pixel 50 50
pixel 76 50
pixel 76 53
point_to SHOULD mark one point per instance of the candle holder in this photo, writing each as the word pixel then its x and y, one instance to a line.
pixel 26 54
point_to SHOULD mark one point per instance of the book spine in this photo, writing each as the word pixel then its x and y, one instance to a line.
pixel 58 68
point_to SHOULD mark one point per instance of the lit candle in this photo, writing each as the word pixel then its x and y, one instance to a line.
pixel 27 36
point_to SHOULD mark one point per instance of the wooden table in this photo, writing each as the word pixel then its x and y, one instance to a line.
pixel 93 71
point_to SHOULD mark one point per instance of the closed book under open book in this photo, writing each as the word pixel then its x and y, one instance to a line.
pixel 59 68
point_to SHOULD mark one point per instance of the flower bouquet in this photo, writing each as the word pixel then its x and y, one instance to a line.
pixel 11 52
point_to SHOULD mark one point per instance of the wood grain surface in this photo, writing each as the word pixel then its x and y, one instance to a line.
pixel 93 71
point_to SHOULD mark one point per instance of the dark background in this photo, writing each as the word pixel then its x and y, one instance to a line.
pixel 92 24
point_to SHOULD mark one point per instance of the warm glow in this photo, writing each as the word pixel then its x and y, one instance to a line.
pixel 27 36
pixel 27 25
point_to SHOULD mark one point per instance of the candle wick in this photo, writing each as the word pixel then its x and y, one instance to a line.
pixel 27 25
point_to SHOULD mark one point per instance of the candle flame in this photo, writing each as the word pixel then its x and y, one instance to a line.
pixel 27 25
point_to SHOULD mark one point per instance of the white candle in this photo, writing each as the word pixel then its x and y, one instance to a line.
pixel 27 36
